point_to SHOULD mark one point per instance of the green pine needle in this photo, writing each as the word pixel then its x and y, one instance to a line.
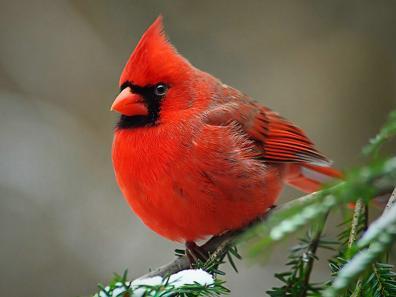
pixel 374 243
pixel 165 289
pixel 381 281
pixel 296 280
pixel 387 132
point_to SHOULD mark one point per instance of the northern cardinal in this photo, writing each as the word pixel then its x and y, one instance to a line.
pixel 195 157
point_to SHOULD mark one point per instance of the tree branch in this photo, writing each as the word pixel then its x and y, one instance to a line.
pixel 218 245
pixel 311 254
pixel 391 201
pixel 357 213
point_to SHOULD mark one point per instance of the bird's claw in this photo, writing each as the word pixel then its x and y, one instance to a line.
pixel 196 253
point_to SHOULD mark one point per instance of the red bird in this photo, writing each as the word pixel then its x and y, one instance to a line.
pixel 195 157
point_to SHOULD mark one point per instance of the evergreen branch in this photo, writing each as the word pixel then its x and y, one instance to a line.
pixel 343 236
pixel 386 224
pixel 365 183
pixel 391 201
pixel 216 247
pixel 121 287
pixel 353 228
pixel 387 131
pixel 311 255
pixel 220 244
pixel 381 282
pixel 377 240
pixel 359 212
pixel 356 219
pixel 297 279
pixel 358 288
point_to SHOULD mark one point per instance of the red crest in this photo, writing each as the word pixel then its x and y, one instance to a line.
pixel 154 59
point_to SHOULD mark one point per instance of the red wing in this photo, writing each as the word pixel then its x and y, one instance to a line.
pixel 280 140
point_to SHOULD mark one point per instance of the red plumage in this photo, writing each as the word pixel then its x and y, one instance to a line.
pixel 202 158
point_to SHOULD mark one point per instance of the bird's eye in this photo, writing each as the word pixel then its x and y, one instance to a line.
pixel 160 90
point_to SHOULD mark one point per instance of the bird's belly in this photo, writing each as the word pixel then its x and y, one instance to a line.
pixel 196 193
pixel 188 206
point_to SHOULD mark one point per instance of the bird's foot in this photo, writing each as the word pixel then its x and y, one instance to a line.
pixel 196 253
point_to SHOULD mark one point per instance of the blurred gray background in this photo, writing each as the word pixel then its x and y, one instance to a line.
pixel 329 66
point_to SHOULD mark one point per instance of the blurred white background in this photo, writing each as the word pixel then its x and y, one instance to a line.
pixel 328 66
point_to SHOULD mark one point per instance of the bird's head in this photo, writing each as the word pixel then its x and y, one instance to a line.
pixel 155 80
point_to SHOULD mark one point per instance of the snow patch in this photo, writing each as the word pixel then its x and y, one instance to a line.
pixel 179 279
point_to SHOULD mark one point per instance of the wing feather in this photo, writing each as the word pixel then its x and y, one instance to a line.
pixel 279 139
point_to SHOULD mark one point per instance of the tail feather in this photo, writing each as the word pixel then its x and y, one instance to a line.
pixel 309 178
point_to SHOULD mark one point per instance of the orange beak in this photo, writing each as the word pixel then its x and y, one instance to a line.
pixel 129 104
